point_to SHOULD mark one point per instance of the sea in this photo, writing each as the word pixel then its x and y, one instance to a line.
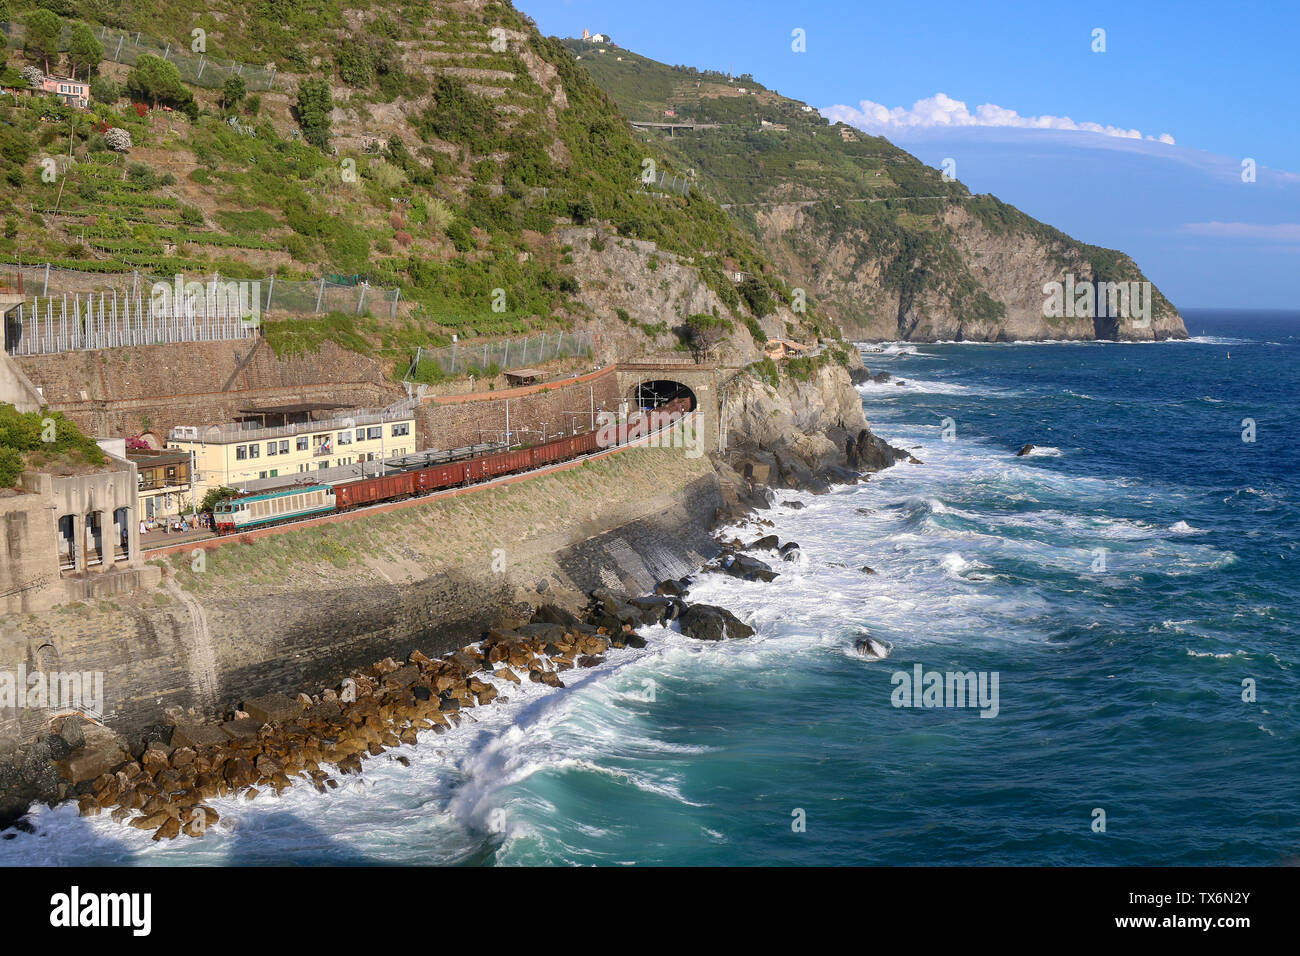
pixel 1126 596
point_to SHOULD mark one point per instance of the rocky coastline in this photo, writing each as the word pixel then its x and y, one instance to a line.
pixel 163 778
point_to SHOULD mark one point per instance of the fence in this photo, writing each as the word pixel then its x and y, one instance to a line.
pixel 196 68
pixel 304 296
pixel 47 325
pixel 462 357
pixel 677 184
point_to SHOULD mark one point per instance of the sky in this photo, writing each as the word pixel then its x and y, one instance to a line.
pixel 1131 138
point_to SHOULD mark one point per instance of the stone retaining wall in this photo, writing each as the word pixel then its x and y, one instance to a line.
pixel 296 610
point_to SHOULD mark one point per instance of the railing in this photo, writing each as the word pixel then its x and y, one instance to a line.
pixel 198 69
pixel 45 326
pixel 502 354
pixel 243 432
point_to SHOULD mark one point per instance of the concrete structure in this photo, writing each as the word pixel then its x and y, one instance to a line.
pixel 71 538
pixel 16 388
pixel 231 454
pixel 642 381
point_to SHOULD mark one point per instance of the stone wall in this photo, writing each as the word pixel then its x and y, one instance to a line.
pixel 469 420
pixel 121 392
pixel 29 565
pixel 298 610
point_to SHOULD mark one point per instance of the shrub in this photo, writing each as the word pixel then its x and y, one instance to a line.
pixel 11 466
pixel 314 106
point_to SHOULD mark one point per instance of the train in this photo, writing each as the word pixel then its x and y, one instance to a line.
pixel 276 506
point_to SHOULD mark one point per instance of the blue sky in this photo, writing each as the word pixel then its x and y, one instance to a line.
pixel 982 82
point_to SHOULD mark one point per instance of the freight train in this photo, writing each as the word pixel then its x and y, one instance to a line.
pixel 275 506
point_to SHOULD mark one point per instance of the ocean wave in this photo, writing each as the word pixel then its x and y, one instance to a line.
pixel 899 386
pixel 1218 340
pixel 1182 527
pixel 1044 451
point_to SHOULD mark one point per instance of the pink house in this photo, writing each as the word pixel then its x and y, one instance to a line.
pixel 73 92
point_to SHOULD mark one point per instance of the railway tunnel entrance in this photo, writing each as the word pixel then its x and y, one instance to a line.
pixel 662 393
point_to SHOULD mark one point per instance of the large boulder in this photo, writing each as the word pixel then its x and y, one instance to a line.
pixel 705 622
pixel 747 568
pixel 273 707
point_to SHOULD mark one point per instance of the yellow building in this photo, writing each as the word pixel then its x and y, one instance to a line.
pixel 231 454
pixel 163 481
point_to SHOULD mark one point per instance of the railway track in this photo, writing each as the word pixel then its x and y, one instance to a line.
pixel 355 512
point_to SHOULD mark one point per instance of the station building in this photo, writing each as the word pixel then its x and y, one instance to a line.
pixel 235 453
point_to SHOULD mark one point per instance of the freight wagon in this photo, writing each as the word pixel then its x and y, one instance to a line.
pixel 367 491
pixel 296 502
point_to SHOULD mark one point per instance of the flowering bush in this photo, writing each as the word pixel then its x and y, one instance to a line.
pixel 118 140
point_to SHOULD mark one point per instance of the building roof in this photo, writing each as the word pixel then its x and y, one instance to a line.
pixel 144 458
pixel 294 408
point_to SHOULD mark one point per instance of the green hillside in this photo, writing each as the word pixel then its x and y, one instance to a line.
pixel 892 210
pixel 432 146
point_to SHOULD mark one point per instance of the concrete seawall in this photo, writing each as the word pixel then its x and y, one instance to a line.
pixel 299 610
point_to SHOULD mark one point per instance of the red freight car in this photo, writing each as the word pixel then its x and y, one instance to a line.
pixel 558 450
pixel 439 476
pixel 502 463
pixel 370 490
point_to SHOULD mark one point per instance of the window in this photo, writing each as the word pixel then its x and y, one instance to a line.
pixel 403 428
pixel 345 438
pixel 302 443
pixel 254 451
pixel 376 432
pixel 275 472
pixel 323 465
pixel 241 452
pixel 284 447
pixel 261 474
pixel 271 448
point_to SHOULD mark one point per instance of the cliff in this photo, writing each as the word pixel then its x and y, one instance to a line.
pixel 887 247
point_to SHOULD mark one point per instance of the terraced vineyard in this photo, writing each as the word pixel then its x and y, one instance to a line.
pixel 452 139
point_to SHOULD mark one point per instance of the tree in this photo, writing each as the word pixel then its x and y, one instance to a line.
pixel 703 333
pixel 233 92
pixel 41 41
pixel 314 105
pixel 756 295
pixel 84 50
pixel 157 80
pixel 215 496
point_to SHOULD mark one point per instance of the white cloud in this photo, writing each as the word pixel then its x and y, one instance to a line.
pixel 941 110
pixel 1284 231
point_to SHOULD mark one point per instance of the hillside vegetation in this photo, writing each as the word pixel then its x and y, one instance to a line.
pixel 833 205
pixel 431 146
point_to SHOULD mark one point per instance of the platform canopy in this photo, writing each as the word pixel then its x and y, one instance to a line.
pixel 525 376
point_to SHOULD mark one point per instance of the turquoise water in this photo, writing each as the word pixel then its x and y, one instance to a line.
pixel 1122 583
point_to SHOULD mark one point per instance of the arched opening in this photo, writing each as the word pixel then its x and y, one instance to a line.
pixel 67 543
pixel 662 394
pixel 122 533
pixel 94 540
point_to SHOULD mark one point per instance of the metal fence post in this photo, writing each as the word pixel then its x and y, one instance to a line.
pixel 45 289
pixel 320 294
pixel 397 294
pixel 270 284
pixel 361 300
